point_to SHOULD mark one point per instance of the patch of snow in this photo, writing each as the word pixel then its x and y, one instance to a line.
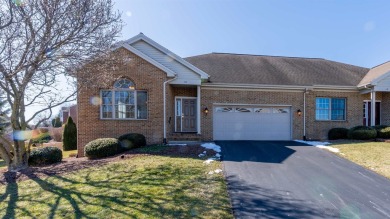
pixel 205 152
pixel 177 144
pixel 218 171
pixel 215 171
pixel 201 155
pixel 320 144
pixel 218 155
pixel 329 148
pixel 212 146
pixel 208 161
pixel 314 143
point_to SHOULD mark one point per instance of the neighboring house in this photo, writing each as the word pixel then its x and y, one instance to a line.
pixel 222 96
pixel 67 111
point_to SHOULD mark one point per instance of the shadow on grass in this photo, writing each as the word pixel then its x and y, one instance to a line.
pixel 251 201
pixel 2 164
pixel 164 191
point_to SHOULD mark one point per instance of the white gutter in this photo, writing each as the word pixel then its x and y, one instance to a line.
pixel 283 87
pixel 165 110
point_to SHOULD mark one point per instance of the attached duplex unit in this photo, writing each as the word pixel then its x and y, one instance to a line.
pixel 221 96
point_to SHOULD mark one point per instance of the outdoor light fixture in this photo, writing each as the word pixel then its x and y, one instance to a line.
pixel 206 111
pixel 299 112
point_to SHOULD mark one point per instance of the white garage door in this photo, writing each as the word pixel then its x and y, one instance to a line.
pixel 252 123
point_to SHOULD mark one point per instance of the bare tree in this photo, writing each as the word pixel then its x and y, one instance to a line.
pixel 39 51
pixel 6 14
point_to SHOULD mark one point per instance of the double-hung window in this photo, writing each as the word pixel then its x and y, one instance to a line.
pixel 124 102
pixel 333 109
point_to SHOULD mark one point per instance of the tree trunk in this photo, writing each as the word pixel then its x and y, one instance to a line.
pixel 20 158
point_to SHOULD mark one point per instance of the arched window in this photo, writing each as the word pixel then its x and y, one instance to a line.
pixel 124 102
pixel 124 84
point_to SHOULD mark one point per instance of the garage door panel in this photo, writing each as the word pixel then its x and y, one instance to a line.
pixel 237 125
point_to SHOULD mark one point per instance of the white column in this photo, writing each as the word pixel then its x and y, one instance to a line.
pixel 373 108
pixel 199 113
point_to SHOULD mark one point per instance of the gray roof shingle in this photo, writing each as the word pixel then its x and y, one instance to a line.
pixel 276 70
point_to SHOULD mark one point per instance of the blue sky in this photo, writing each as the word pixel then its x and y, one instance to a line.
pixel 354 32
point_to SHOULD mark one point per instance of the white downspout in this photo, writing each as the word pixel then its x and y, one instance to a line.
pixel 198 109
pixel 165 110
pixel 373 106
pixel 304 114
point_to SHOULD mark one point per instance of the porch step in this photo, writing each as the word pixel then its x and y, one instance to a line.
pixel 188 137
pixel 183 142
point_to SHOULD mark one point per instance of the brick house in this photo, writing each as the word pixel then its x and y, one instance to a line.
pixel 67 111
pixel 221 96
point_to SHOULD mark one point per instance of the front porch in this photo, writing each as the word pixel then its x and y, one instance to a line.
pixel 378 113
pixel 184 116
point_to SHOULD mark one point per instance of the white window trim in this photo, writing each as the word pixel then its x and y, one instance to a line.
pixel 113 104
pixel 330 110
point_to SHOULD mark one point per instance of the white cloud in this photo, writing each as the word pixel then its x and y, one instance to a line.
pixel 128 13
pixel 369 26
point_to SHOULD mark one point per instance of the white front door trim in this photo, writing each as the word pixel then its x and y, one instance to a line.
pixel 181 111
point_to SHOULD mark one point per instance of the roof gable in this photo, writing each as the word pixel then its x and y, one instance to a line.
pixel 376 74
pixel 162 55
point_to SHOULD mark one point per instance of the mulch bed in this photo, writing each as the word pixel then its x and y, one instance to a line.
pixel 73 164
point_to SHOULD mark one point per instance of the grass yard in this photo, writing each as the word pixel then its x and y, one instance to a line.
pixel 140 187
pixel 66 154
pixel 2 164
pixel 372 155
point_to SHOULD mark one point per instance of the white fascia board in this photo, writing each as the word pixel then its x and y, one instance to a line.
pixel 378 79
pixel 203 75
pixel 230 85
pixel 169 72
pixel 336 87
pixel 280 87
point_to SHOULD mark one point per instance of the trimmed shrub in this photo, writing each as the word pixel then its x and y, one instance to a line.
pixel 46 155
pixel 362 133
pixel 101 147
pixel 69 137
pixel 41 138
pixel 338 133
pixel 131 140
pixel 383 131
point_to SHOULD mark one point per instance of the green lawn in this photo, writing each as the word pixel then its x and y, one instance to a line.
pixel 141 187
pixel 372 155
pixel 2 164
pixel 65 154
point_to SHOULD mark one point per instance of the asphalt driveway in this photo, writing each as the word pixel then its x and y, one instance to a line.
pixel 293 180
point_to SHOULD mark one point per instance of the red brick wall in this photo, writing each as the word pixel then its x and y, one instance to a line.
pixel 146 77
pixel 314 129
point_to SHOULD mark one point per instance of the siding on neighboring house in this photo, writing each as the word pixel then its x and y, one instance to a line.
pixel 186 75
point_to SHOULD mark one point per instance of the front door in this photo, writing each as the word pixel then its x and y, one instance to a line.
pixel 185 114
pixel 367 113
